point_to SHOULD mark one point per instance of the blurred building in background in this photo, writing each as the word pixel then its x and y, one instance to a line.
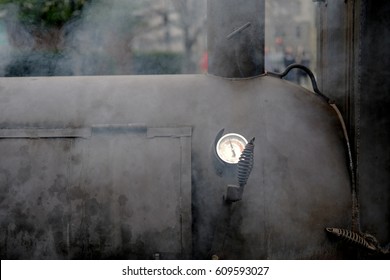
pixel 290 33
pixel 175 27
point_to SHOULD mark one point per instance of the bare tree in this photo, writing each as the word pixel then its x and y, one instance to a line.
pixel 192 23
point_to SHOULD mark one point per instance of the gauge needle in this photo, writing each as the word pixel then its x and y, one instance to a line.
pixel 231 146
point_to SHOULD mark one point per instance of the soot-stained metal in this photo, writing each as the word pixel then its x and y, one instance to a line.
pixel 119 167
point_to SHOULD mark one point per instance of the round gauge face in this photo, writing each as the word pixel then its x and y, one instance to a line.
pixel 230 147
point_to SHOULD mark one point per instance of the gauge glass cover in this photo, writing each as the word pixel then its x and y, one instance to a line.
pixel 230 146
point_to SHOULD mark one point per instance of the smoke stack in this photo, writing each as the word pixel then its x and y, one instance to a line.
pixel 235 38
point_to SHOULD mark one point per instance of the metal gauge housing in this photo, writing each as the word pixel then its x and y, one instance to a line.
pixel 230 146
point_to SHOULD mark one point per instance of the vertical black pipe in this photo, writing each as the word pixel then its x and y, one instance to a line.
pixel 235 38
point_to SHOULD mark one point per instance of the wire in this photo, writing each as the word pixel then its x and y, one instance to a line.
pixel 308 72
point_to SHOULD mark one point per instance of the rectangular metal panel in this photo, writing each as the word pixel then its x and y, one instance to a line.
pixel 118 194
pixel 169 132
pixel 45 133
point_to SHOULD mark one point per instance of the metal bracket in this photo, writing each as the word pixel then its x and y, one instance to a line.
pixel 233 193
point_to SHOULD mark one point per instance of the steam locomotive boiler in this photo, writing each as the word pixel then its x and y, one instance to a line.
pixel 235 164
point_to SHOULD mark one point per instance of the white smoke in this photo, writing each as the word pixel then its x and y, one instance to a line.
pixel 101 41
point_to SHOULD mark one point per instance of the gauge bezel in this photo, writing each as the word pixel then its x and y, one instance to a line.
pixel 236 135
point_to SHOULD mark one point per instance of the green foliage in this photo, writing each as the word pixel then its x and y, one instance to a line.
pixel 47 12
pixel 36 64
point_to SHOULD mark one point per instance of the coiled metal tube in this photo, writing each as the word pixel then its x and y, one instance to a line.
pixel 364 240
pixel 245 163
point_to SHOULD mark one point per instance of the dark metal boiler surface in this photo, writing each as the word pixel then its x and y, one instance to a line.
pixel 121 167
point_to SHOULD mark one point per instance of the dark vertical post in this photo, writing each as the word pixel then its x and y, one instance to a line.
pixel 235 37
pixel 372 118
pixel 358 81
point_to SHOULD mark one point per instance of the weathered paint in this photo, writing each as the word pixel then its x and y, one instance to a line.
pixel 140 178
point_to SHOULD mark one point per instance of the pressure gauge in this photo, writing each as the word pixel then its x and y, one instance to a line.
pixel 230 146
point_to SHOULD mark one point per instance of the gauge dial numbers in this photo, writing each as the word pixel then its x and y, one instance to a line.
pixel 230 147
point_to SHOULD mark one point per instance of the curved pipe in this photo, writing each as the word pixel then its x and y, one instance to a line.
pixel 355 202
pixel 308 72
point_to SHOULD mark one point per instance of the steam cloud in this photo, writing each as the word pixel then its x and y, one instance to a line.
pixel 98 42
